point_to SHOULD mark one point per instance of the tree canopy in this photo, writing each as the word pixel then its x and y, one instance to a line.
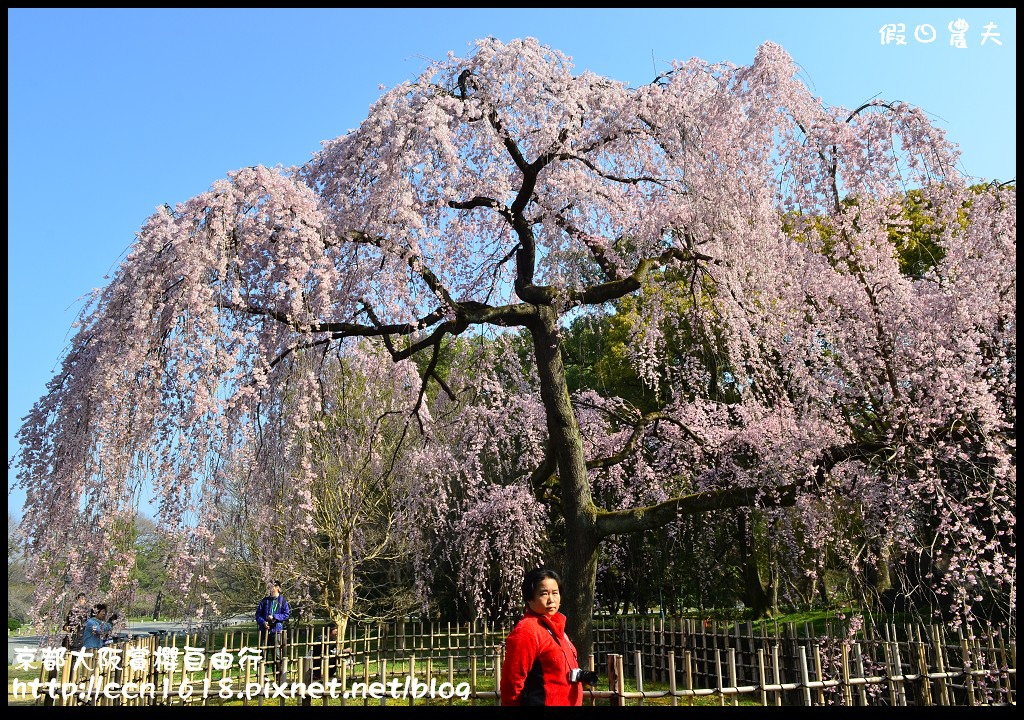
pixel 789 359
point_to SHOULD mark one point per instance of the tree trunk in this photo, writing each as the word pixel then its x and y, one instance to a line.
pixel 339 591
pixel 878 577
pixel 579 564
pixel 754 595
pixel 774 578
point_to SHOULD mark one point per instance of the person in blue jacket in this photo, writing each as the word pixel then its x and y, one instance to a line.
pixel 97 629
pixel 271 614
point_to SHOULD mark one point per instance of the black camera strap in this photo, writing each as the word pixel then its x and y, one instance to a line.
pixel 555 638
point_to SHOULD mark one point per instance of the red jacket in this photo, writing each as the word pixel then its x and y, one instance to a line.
pixel 536 667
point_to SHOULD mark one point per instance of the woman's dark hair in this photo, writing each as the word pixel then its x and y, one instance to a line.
pixel 533 579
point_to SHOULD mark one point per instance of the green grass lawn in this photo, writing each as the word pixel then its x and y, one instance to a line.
pixel 23 675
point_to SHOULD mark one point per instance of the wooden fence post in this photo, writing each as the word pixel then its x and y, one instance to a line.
pixel 858 661
pixel 718 673
pixel 591 666
pixel 776 671
pixel 472 680
pixel 761 676
pixel 968 665
pixel 412 674
pixel 672 677
pixel 498 660
pixel 639 677
pixel 282 674
pixel 819 676
pixel 901 689
pixel 1004 662
pixel 50 675
pixel 804 677
pixel 688 658
pixel 940 664
pixel 733 678
pixel 890 673
pixel 614 680
pixel 922 669
pixel 845 675
pixel 343 668
pixel 261 678
pixel 306 673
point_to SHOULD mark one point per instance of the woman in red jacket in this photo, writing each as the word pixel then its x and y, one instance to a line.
pixel 540 660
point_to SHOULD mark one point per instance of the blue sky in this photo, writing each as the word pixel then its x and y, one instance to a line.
pixel 114 112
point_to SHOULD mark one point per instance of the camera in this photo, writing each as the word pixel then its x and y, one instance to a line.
pixel 588 677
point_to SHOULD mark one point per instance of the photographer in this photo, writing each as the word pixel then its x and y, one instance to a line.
pixel 541 666
pixel 97 628
pixel 74 623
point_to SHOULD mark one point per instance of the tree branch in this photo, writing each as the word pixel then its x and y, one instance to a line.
pixel 634 440
pixel 605 292
pixel 412 259
pixel 654 516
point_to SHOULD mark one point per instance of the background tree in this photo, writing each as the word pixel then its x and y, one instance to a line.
pixel 363 450
pixel 19 592
pixel 503 191
pixel 149 573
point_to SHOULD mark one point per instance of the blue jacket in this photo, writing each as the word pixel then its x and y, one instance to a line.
pixel 95 633
pixel 273 612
